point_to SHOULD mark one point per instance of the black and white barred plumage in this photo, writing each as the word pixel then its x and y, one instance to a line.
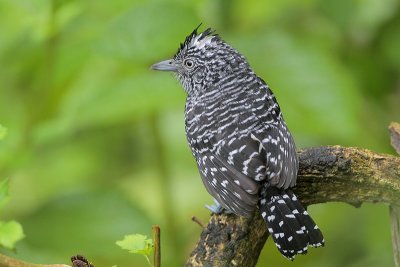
pixel 243 148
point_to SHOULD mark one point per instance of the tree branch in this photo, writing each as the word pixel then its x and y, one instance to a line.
pixel 335 173
pixel 6 261
pixel 77 261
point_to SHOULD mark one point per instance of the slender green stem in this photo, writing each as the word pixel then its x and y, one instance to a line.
pixel 148 261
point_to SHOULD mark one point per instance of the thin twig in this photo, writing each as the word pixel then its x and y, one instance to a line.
pixel 394 221
pixel 196 220
pixel 394 211
pixel 157 246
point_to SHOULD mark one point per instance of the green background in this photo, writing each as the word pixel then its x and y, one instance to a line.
pixel 96 147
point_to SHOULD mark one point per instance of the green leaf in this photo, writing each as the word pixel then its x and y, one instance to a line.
pixel 3 132
pixel 10 233
pixel 3 192
pixel 138 244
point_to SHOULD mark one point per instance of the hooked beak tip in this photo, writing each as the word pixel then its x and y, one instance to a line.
pixel 166 65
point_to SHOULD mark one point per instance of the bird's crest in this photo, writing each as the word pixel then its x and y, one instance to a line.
pixel 198 40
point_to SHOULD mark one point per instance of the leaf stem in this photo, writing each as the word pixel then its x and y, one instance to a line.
pixel 148 261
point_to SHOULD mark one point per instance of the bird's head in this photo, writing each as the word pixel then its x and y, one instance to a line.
pixel 202 60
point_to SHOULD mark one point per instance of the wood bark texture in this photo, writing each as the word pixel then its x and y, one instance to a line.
pixel 333 173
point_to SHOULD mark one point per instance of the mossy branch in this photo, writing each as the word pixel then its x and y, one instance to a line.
pixel 333 173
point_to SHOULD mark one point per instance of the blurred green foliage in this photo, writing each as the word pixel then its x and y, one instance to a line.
pixel 10 232
pixel 3 132
pixel 96 146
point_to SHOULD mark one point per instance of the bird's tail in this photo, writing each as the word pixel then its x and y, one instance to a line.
pixel 289 224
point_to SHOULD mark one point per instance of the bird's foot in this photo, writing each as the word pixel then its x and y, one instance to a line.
pixel 217 208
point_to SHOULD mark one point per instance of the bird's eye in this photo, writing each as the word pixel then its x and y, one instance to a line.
pixel 189 63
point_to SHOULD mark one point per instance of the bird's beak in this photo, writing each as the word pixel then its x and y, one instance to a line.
pixel 166 65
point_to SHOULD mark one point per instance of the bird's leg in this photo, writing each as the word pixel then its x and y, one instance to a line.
pixel 217 208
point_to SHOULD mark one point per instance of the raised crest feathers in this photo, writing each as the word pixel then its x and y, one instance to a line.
pixel 195 36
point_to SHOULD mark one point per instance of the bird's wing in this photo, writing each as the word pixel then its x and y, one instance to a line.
pixel 280 155
pixel 233 190
pixel 261 146
pixel 274 136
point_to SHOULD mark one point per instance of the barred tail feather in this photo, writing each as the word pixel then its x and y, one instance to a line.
pixel 289 224
pixel 314 234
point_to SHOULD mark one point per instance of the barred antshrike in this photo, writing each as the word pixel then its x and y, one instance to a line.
pixel 242 146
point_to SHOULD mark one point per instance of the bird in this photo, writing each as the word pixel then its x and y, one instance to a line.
pixel 244 151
